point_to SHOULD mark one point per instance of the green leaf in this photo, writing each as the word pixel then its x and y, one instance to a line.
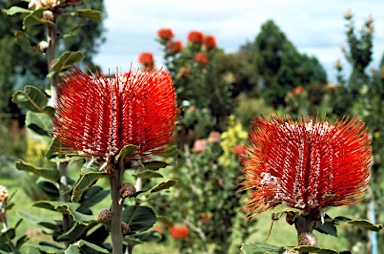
pixel 260 247
pixel 366 224
pixel 155 165
pixel 23 239
pixel 22 39
pixel 98 236
pixel 163 186
pixel 314 249
pixel 327 228
pixel 47 248
pixel 77 231
pixel 85 180
pixel 93 15
pixel 31 98
pixel 125 151
pixel 139 218
pixel 139 238
pixel 49 189
pixel 42 221
pixel 50 174
pixel 7 236
pixel 15 10
pixel 36 18
pixel 92 196
pixel 39 123
pixel 65 61
pixel 83 247
pixel 67 208
pixel 148 174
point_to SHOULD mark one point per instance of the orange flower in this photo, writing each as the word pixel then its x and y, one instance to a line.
pixel 210 42
pixel 179 232
pixel 174 47
pixel 98 116
pixel 305 165
pixel 298 90
pixel 183 73
pixel 165 34
pixel 201 58
pixel 196 37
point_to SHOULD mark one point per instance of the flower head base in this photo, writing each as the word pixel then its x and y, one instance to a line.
pixel 304 164
pixel 98 116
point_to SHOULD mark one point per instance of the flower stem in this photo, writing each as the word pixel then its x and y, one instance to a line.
pixel 5 228
pixel 305 224
pixel 115 181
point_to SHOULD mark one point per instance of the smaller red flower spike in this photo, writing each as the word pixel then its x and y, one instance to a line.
pixel 98 116
pixel 210 42
pixel 196 37
pixel 146 58
pixel 201 58
pixel 179 232
pixel 165 34
pixel 305 164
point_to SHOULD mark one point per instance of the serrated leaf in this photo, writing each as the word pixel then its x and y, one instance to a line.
pixel 66 208
pixel 22 39
pixel 163 186
pixel 42 221
pixel 93 15
pixel 31 98
pixel 139 218
pixel 40 123
pixel 148 174
pixel 314 249
pixel 327 228
pixel 260 247
pixel 83 247
pixel 85 180
pixel 155 165
pixel 66 61
pixel 125 151
pixel 50 174
pixel 77 231
pixel 15 10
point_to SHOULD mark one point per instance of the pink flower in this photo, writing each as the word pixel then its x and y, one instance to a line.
pixel 199 146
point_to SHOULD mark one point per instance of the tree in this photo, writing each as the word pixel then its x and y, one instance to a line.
pixel 281 67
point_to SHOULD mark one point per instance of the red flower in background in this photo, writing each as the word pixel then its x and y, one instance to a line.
pixel 199 145
pixel 165 34
pixel 98 116
pixel 174 47
pixel 146 58
pixel 196 37
pixel 305 165
pixel 298 90
pixel 239 150
pixel 201 58
pixel 179 232
pixel 210 42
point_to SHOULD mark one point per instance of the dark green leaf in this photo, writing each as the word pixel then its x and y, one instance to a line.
pixel 76 232
pixel 85 180
pixel 47 248
pixel 93 15
pixel 155 165
pixel 42 221
pixel 36 18
pixel 139 218
pixel 327 228
pixel 66 61
pixel 23 239
pixel 260 247
pixel 40 123
pixel 366 224
pixel 22 39
pixel 98 236
pixel 83 247
pixel 15 10
pixel 7 236
pixel 125 151
pixel 163 186
pixel 50 174
pixel 92 196
pixel 148 174
pixel 314 249
pixel 149 236
pixel 31 98
pixel 49 189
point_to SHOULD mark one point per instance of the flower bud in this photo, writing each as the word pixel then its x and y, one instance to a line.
pixel 42 46
pixel 127 190
pixel 307 239
pixel 48 15
pixel 3 194
pixel 104 215
pixel 125 228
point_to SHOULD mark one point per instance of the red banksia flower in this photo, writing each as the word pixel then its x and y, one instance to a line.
pixel 165 34
pixel 146 58
pixel 210 42
pixel 179 232
pixel 201 58
pixel 304 164
pixel 98 116
pixel 196 37
pixel 174 47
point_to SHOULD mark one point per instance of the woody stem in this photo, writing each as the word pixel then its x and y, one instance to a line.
pixel 305 224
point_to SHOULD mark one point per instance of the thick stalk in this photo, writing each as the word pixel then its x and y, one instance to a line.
pixel 305 224
pixel 115 181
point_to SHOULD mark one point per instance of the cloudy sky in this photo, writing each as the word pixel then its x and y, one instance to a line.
pixel 316 28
